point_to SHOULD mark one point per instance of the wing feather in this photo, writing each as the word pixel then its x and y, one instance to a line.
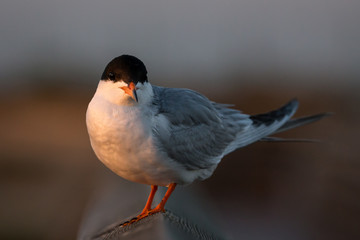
pixel 199 130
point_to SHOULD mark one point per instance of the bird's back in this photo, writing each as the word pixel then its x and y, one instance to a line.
pixel 201 132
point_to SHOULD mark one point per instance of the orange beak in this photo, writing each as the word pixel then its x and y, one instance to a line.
pixel 131 91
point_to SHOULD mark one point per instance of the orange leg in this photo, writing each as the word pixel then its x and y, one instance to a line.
pixel 147 211
pixel 161 205
pixel 147 207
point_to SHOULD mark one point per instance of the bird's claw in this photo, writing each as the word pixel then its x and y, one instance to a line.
pixel 142 216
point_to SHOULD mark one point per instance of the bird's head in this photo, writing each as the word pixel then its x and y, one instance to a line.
pixel 124 81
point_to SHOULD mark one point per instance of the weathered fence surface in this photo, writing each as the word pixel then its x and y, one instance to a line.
pixel 188 214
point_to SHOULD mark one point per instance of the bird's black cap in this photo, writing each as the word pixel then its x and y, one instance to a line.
pixel 126 68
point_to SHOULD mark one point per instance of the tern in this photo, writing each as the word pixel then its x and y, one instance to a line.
pixel 167 136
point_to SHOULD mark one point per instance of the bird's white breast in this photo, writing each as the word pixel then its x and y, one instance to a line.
pixel 122 139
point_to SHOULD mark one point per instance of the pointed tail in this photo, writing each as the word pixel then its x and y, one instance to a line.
pixel 297 122
pixel 294 123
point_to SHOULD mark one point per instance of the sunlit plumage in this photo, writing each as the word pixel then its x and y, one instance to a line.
pixel 167 136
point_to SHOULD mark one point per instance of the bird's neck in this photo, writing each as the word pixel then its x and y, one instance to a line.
pixel 145 93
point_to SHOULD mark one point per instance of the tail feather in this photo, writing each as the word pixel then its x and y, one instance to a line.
pixel 263 125
pixel 293 140
pixel 269 118
pixel 297 122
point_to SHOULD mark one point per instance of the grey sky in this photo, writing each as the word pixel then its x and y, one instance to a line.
pixel 175 38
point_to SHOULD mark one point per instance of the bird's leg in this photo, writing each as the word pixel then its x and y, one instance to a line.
pixel 159 208
pixel 147 207
pixel 161 205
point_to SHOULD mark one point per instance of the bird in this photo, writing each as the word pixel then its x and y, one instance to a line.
pixel 162 136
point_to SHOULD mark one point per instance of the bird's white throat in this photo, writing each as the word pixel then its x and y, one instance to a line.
pixel 121 134
pixel 111 91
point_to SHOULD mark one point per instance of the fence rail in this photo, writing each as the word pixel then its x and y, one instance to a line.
pixel 118 201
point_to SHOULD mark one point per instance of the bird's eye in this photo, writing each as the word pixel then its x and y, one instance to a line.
pixel 111 76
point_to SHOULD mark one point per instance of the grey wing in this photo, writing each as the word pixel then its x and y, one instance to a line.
pixel 199 131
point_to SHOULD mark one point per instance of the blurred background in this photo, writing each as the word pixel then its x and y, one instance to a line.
pixel 257 54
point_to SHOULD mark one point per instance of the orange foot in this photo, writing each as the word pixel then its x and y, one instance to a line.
pixel 143 215
pixel 159 208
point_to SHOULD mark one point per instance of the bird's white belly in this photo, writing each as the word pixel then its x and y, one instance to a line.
pixel 122 140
